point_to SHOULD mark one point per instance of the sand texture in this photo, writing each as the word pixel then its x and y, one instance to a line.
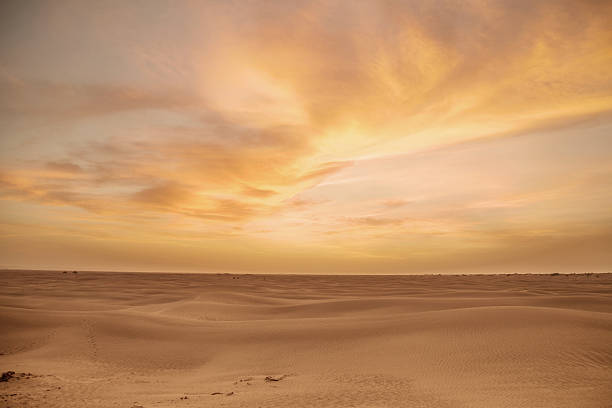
pixel 169 340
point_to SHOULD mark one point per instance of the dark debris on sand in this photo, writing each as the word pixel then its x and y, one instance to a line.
pixel 228 394
pixel 11 375
pixel 7 375
pixel 272 379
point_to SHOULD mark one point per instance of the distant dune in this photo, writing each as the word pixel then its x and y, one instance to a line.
pixel 170 340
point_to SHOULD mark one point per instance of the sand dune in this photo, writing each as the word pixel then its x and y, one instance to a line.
pixel 169 340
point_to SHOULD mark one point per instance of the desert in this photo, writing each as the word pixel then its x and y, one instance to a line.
pixel 95 339
pixel 306 203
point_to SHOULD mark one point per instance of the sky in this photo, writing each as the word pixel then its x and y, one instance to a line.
pixel 306 136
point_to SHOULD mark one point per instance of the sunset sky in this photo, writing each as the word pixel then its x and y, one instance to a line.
pixel 306 136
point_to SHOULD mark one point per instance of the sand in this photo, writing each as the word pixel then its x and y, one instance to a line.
pixel 175 340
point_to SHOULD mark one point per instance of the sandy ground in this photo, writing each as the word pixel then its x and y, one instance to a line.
pixel 167 340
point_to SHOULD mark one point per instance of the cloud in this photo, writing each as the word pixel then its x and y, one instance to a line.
pixel 258 192
pixel 47 194
pixel 64 101
pixel 324 170
pixel 374 221
pixel 163 195
pixel 395 203
pixel 65 167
